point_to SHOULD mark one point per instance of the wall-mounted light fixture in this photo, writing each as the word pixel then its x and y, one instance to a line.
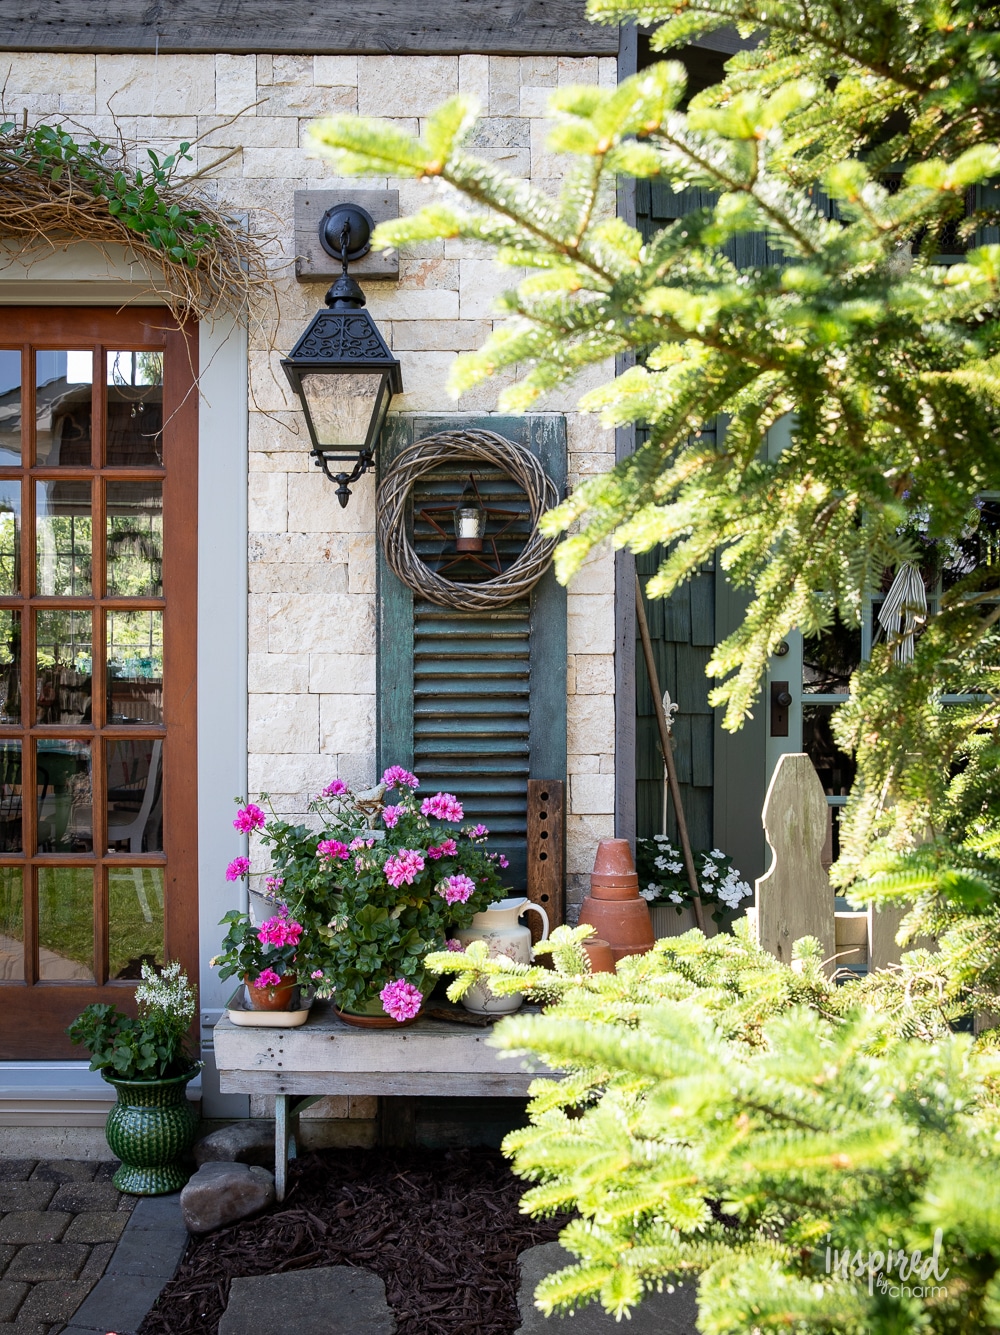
pixel 341 367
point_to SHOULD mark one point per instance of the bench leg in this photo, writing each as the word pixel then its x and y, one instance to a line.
pixel 281 1139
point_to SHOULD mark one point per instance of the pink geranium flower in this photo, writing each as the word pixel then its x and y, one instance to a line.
pixel 268 978
pixel 316 975
pixel 279 931
pixel 360 842
pixel 443 806
pixel 453 945
pixel 335 789
pixel 403 867
pixel 477 832
pixel 447 848
pixel 249 818
pixel 456 889
pixel 397 777
pixel 328 849
pixel 391 816
pixel 237 869
pixel 401 1000
pixel 274 884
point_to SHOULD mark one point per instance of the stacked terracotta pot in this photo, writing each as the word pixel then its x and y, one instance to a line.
pixel 614 905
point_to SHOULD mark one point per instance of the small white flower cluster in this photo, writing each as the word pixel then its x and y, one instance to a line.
pixel 720 882
pixel 730 889
pixel 168 991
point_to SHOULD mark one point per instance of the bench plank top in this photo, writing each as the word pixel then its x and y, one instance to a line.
pixel 327 1056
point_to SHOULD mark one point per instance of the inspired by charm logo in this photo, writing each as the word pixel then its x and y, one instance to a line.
pixel 893 1272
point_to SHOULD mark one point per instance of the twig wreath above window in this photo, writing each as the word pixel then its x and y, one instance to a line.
pixel 449 448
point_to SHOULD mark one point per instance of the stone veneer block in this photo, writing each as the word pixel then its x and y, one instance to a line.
pixel 405 85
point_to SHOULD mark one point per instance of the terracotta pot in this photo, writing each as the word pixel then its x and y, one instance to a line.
pixel 380 1021
pixel 624 923
pixel 614 906
pixel 614 875
pixel 614 858
pixel 600 954
pixel 277 998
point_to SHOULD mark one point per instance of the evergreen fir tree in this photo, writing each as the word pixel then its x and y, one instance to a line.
pixel 723 1116
pixel 889 363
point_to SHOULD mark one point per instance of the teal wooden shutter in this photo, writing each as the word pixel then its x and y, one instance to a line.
pixel 474 702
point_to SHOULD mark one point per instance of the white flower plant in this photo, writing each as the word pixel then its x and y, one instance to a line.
pixel 663 879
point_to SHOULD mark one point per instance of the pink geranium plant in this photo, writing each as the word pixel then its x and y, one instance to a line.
pixel 262 955
pixel 374 882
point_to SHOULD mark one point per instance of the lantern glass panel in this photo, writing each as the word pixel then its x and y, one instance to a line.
pixel 342 406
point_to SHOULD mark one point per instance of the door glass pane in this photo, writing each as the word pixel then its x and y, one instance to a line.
pixel 135 920
pixel 10 666
pixel 135 409
pixel 829 659
pixel 63 385
pixel 65 799
pixel 63 539
pixel 835 768
pixel 135 539
pixel 11 924
pixel 10 538
pixel 135 796
pixel 11 792
pixel 135 667
pixel 66 924
pixel 10 407
pixel 63 666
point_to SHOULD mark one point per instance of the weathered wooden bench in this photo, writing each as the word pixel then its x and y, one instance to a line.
pixel 325 1056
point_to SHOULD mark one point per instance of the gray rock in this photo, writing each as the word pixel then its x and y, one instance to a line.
pixel 658 1314
pixel 221 1193
pixel 240 1142
pixel 332 1300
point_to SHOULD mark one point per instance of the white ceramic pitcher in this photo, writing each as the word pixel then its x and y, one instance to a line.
pixel 498 926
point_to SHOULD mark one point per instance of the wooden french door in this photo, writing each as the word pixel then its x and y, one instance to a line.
pixel 98 543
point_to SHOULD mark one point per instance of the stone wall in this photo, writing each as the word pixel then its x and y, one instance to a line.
pixel 311 563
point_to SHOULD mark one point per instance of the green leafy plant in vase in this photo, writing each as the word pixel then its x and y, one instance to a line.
pixel 148 1060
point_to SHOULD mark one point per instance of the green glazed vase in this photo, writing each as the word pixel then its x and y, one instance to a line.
pixel 151 1129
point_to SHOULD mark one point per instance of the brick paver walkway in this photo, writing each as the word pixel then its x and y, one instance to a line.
pixel 59 1222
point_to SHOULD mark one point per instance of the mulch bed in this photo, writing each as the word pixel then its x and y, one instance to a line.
pixel 441 1228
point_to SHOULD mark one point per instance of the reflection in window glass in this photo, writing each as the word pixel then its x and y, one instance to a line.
pixel 65 797
pixel 11 795
pixel 829 659
pixel 63 386
pixel 10 666
pixel 63 539
pixel 134 786
pixel 10 407
pixel 135 667
pixel 979 546
pixel 135 539
pixel 135 920
pixel 66 924
pixel 835 768
pixel 63 665
pixel 135 410
pixel 11 925
pixel 10 538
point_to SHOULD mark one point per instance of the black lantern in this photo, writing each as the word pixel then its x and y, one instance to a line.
pixel 341 368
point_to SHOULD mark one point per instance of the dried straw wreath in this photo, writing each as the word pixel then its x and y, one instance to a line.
pixel 55 188
pixel 447 447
